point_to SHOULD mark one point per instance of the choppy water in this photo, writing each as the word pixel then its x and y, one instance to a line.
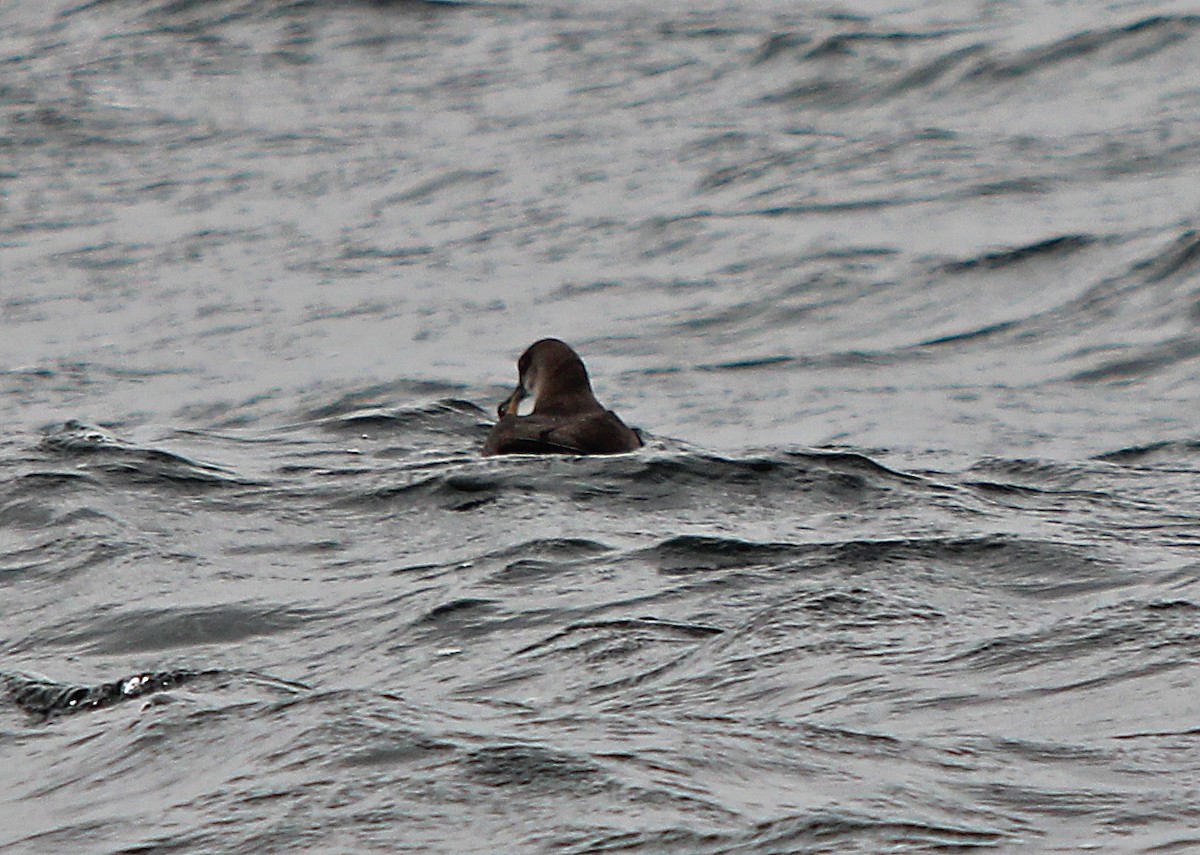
pixel 907 299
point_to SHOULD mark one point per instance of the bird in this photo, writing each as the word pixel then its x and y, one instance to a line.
pixel 566 417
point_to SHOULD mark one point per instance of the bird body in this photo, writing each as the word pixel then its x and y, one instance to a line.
pixel 566 417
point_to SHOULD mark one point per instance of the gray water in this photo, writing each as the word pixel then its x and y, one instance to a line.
pixel 906 299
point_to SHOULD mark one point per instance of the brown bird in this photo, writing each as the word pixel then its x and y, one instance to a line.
pixel 566 417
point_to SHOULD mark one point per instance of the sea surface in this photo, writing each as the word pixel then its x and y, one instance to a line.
pixel 904 296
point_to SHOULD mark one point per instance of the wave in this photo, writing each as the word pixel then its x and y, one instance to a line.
pixel 106 452
pixel 44 698
pixel 884 68
pixel 1127 43
pixel 998 259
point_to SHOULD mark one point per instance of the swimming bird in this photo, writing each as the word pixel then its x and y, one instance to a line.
pixel 566 417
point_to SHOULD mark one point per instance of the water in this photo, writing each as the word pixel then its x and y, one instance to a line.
pixel 907 299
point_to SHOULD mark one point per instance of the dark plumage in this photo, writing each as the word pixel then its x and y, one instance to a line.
pixel 566 417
